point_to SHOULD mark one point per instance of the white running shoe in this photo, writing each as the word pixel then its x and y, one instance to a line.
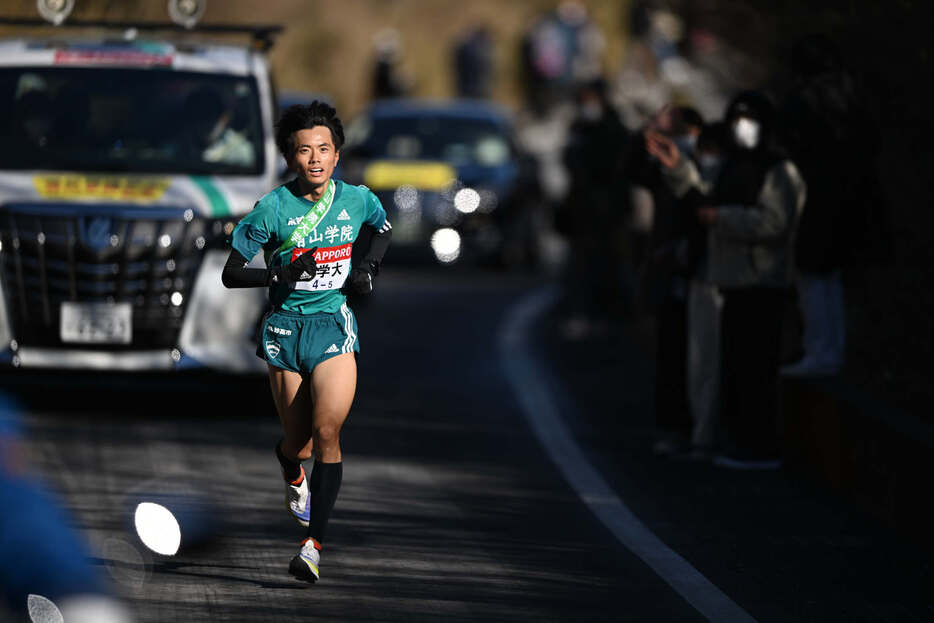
pixel 298 499
pixel 304 564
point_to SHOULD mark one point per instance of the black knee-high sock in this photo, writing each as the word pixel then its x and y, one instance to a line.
pixel 325 483
pixel 290 469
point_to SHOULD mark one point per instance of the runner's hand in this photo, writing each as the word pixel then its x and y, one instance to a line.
pixel 360 280
pixel 303 268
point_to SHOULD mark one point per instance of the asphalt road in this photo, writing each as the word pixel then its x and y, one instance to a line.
pixel 450 508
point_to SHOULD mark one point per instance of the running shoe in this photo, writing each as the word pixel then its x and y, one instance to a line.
pixel 298 499
pixel 304 564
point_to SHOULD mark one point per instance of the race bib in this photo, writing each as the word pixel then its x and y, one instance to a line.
pixel 333 266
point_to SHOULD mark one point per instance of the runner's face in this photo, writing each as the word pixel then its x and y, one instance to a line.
pixel 314 158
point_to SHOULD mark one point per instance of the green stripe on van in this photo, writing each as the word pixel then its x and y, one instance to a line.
pixel 219 205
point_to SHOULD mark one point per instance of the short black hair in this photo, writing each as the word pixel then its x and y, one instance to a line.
pixel 690 117
pixel 304 117
pixel 713 136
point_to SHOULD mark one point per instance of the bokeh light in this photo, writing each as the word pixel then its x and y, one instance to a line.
pixel 43 610
pixel 157 528
pixel 467 200
pixel 406 198
pixel 446 244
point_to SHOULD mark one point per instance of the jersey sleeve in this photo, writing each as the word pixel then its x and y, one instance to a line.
pixel 374 214
pixel 256 228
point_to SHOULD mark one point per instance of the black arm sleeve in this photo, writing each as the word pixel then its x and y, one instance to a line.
pixel 378 245
pixel 237 275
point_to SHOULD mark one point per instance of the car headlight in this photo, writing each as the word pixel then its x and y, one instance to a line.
pixel 470 200
pixel 446 244
pixel 467 200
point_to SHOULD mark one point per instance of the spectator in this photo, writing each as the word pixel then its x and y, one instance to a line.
pixel 560 51
pixel 704 306
pixel 591 215
pixel 834 141
pixel 649 192
pixel 667 272
pixel 388 80
pixel 753 211
pixel 473 64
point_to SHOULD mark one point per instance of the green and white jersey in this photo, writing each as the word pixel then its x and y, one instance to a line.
pixel 276 215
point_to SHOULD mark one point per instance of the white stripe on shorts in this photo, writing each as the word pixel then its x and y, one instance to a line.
pixel 348 329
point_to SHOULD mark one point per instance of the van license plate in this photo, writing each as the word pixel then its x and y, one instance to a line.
pixel 96 323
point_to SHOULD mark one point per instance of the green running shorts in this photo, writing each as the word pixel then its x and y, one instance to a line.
pixel 299 342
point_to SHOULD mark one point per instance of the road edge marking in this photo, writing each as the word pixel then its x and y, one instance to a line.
pixel 538 404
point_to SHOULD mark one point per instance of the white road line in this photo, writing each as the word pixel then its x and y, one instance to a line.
pixel 538 403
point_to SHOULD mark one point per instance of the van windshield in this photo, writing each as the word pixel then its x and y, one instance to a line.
pixel 134 120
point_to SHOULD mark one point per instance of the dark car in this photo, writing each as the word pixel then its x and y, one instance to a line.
pixel 447 173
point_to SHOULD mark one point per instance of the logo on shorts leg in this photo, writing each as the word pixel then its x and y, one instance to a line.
pixel 272 348
pixel 332 349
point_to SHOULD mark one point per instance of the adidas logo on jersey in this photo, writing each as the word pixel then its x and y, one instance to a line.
pixel 343 216
pixel 332 349
pixel 294 221
pixel 304 275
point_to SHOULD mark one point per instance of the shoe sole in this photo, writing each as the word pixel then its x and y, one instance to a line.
pixel 301 570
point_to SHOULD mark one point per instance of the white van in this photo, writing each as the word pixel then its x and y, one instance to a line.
pixel 125 164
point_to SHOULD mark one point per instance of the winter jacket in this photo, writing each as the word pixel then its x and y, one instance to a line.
pixel 750 245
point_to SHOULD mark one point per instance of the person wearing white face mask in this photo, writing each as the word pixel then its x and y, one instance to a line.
pixel 690 124
pixel 752 215
pixel 746 132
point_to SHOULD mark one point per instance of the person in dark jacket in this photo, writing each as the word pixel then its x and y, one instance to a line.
pixel 834 141
pixel 668 267
pixel 592 215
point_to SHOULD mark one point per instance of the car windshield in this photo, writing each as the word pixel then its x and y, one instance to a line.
pixel 136 120
pixel 449 139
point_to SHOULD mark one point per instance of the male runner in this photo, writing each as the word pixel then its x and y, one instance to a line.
pixel 307 228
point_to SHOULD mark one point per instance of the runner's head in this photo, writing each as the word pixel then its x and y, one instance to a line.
pixel 310 138
pixel 305 117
